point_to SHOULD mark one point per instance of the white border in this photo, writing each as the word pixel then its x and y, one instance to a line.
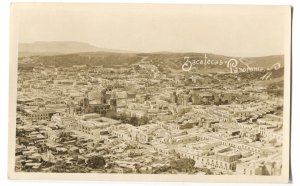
pixel 4 87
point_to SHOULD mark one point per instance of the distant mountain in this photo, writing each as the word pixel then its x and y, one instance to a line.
pixel 59 47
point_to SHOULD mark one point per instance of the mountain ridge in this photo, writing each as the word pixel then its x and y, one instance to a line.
pixel 60 47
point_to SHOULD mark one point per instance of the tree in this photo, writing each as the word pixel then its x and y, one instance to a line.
pixel 20 133
pixel 144 120
pixel 96 162
pixel 184 164
pixel 112 115
pixel 24 141
pixel 123 117
pixel 134 121
pixel 137 67
pixel 147 97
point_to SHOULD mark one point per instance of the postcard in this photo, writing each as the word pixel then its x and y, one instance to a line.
pixel 150 92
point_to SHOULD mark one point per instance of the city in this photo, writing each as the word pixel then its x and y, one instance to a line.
pixel 142 113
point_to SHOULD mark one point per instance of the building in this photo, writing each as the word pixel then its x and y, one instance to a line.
pixel 39 114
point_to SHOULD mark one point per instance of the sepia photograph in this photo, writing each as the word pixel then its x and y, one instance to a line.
pixel 143 92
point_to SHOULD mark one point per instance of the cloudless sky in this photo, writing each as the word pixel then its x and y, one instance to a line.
pixel 228 30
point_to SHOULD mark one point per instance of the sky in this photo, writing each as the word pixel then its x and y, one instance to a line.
pixel 244 31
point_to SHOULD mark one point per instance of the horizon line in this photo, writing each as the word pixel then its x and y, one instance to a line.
pixel 124 51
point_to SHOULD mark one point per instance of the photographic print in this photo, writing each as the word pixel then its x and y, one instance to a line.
pixel 150 92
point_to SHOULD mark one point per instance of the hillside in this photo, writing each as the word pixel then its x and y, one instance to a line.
pixel 171 61
pixel 67 54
